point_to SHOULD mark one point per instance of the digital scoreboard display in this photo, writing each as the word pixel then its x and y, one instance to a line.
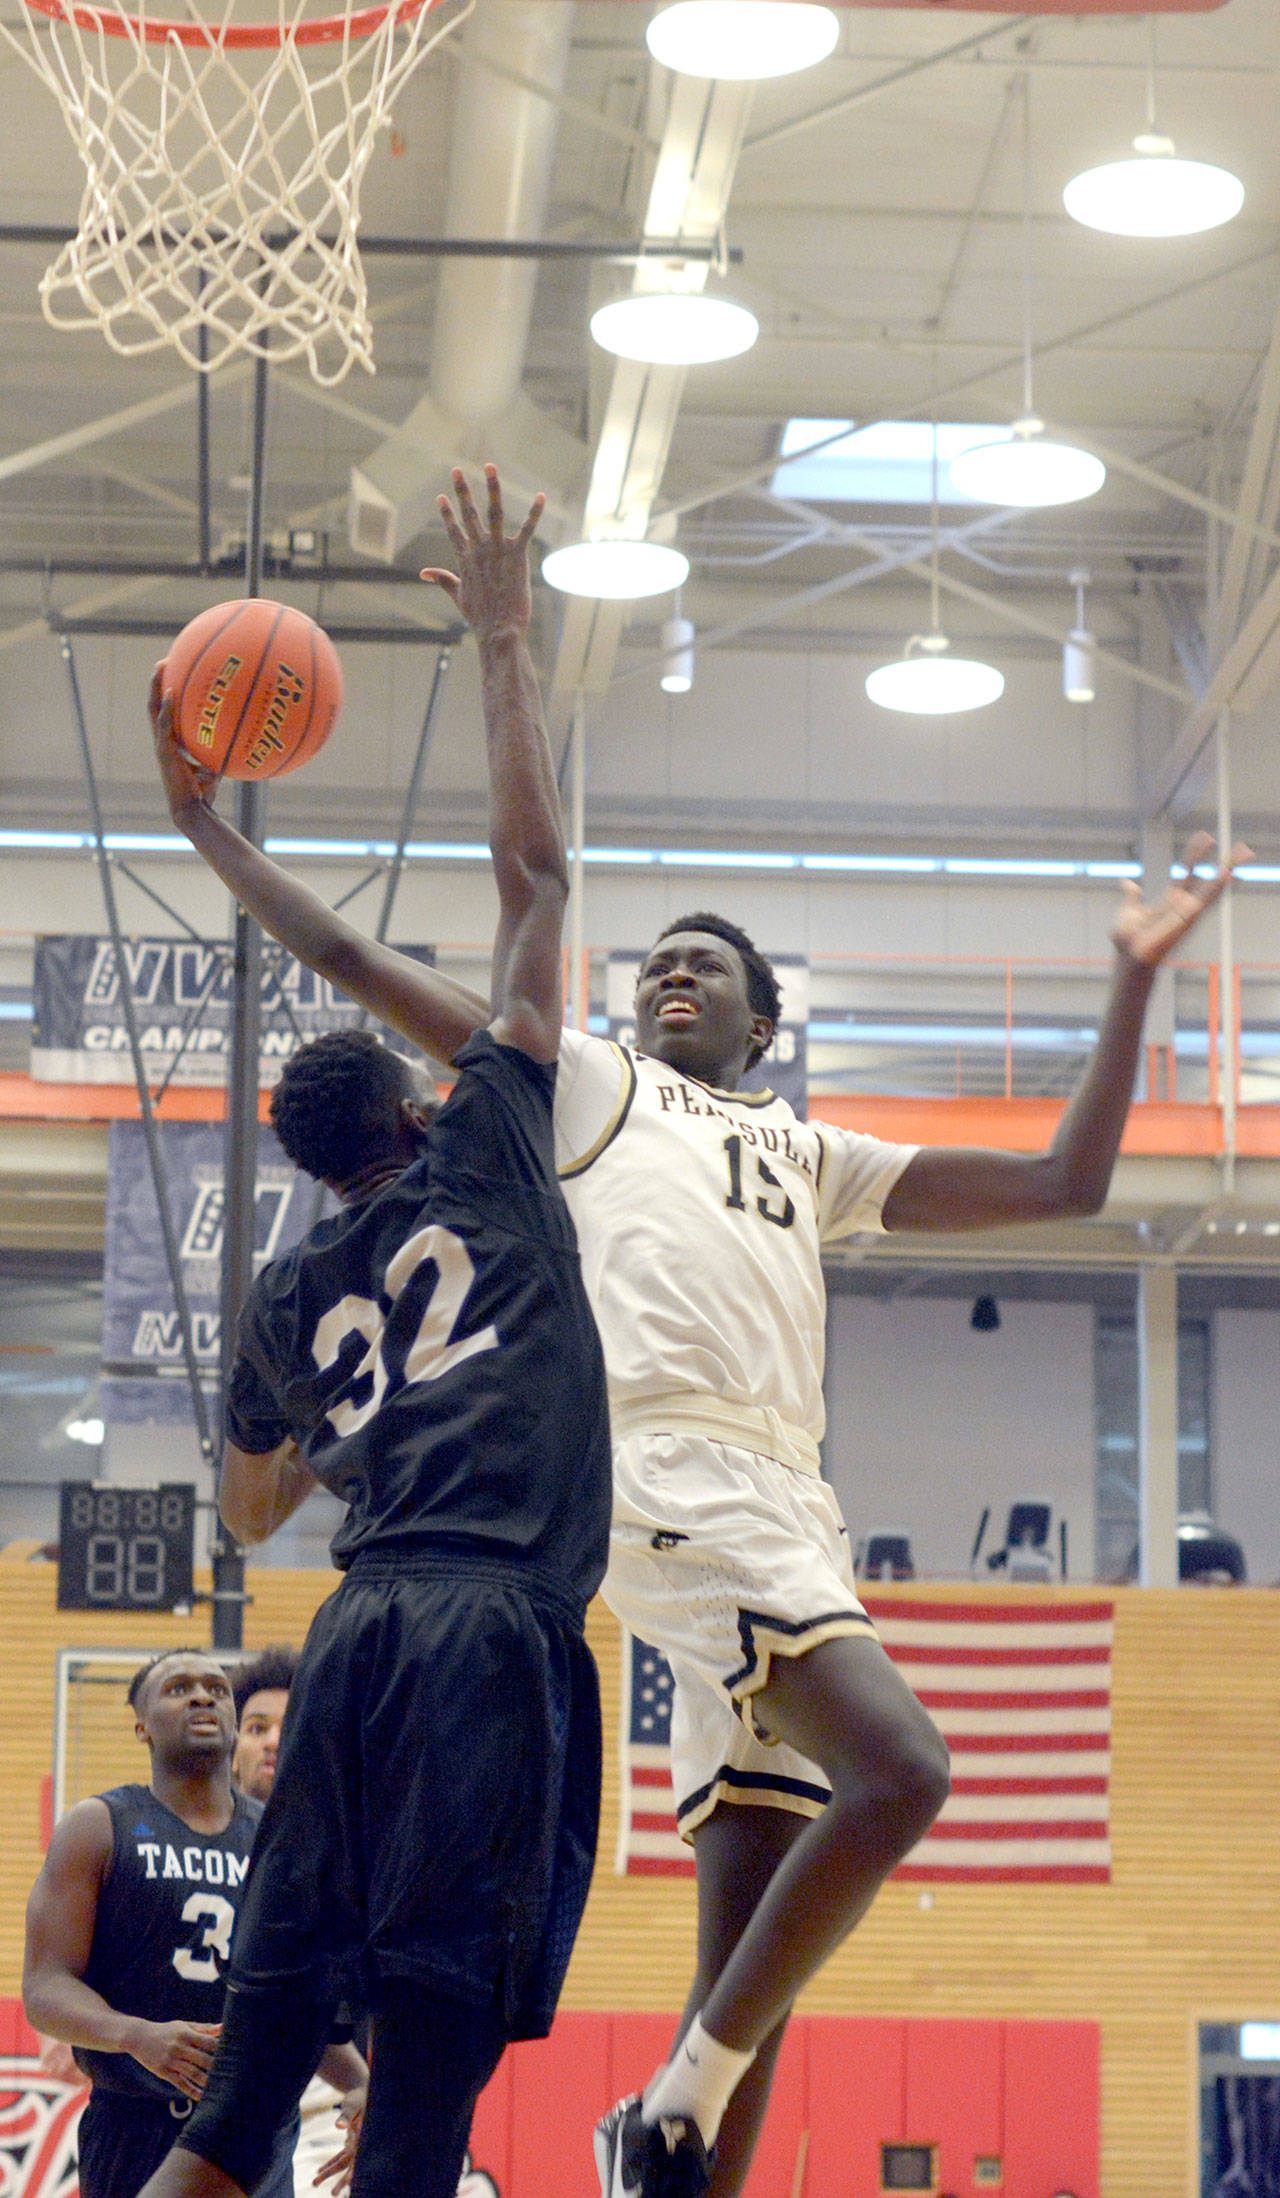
pixel 125 1548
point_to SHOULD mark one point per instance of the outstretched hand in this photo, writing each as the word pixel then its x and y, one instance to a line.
pixel 188 785
pixel 491 586
pixel 1148 931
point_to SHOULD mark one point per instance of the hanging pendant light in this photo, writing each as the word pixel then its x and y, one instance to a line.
pixel 926 680
pixel 615 571
pixel 745 40
pixel 1080 650
pixel 1029 471
pixel 676 677
pixel 674 328
pixel 1155 194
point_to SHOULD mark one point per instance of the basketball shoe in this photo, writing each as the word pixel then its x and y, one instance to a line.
pixel 662 2159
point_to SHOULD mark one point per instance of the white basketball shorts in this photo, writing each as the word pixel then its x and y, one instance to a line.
pixel 723 1559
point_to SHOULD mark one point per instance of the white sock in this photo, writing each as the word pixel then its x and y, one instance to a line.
pixel 698 2081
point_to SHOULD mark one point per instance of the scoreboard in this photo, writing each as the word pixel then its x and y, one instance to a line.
pixel 125 1548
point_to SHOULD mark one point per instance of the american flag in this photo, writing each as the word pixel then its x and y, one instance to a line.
pixel 1021 1691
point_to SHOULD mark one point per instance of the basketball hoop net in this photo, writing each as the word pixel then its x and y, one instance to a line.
pixel 223 161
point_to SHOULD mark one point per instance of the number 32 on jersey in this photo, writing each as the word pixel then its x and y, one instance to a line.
pixel 431 1352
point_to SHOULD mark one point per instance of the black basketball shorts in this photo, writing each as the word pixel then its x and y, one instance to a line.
pixel 124 2136
pixel 436 1801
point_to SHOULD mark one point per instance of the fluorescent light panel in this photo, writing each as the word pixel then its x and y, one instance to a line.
pixel 690 858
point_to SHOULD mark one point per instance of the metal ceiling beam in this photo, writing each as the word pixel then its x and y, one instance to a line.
pixel 1177 491
pixel 918 567
pixel 1185 632
pixel 99 430
pixel 37 629
pixel 160 629
pixel 577 109
pixel 471 248
pixel 274 566
pixel 689 197
pixel 1256 504
pixel 957 52
pixel 1247 674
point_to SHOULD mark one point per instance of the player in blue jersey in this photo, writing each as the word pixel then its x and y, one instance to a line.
pixel 260 1691
pixel 130 1923
pixel 429 1355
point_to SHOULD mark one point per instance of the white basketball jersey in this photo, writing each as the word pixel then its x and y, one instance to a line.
pixel 700 1217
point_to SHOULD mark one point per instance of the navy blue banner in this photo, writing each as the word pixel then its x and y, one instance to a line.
pixel 144 1372
pixel 182 992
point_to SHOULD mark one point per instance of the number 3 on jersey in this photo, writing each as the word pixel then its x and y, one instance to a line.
pixel 781 1216
pixel 206 1964
pixel 431 1352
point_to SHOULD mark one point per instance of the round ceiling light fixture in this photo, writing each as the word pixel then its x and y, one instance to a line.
pixel 1027 471
pixel 1154 195
pixel 742 39
pixel 615 571
pixel 674 328
pixel 927 681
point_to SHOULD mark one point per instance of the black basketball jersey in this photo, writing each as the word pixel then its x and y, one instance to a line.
pixel 433 1353
pixel 166 1913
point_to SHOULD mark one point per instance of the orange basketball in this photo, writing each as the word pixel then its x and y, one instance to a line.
pixel 256 687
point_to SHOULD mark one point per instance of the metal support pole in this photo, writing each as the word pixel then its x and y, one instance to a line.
pixel 150 1131
pixel 1156 850
pixel 204 538
pixel 240 1162
pixel 412 792
pixel 407 814
pixel 578 1003
pixel 1158 1425
pixel 1227 958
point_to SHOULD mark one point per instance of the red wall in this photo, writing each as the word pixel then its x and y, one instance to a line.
pixel 1025 2093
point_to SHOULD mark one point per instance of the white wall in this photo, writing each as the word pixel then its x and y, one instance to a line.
pixel 928 1421
pixel 141 1457
pixel 773 749
pixel 1245 1434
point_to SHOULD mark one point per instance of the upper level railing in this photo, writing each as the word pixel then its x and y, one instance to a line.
pixel 949 1027
pixel 1007 1027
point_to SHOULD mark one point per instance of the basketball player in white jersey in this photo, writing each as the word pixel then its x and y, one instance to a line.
pixel 804 1767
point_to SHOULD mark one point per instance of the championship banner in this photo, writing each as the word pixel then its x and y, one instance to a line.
pixel 182 992
pixel 1021 1693
pixel 785 1067
pixel 144 1372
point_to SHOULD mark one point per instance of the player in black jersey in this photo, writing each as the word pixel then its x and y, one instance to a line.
pixel 429 1355
pixel 129 1928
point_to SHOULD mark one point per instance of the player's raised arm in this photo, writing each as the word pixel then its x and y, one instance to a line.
pixel 430 1008
pixel 526 832
pixel 966 1187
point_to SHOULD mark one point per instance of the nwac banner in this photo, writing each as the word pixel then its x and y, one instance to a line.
pixel 182 992
pixel 144 1370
